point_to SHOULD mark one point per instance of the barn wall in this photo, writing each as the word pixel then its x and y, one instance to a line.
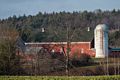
pixel 75 47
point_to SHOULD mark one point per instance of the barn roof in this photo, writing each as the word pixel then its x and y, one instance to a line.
pixel 32 43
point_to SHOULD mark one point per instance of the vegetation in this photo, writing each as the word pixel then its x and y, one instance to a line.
pixel 56 24
pixel 114 77
pixel 9 61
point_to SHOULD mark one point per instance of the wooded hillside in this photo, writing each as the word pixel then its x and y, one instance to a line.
pixel 57 24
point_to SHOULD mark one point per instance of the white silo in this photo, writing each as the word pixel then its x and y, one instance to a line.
pixel 101 40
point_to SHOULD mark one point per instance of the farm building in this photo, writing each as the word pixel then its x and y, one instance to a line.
pixel 76 48
pixel 96 47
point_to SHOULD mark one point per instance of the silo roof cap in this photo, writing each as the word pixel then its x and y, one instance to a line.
pixel 103 27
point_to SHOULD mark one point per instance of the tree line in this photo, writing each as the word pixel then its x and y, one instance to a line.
pixel 56 24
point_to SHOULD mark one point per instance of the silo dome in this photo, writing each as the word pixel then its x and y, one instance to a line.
pixel 103 27
pixel 101 40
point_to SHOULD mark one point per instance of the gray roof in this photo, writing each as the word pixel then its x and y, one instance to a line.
pixel 20 44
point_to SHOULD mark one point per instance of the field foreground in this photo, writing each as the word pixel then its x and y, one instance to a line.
pixel 114 77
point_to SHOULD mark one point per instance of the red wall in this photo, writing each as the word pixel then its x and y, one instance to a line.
pixel 76 48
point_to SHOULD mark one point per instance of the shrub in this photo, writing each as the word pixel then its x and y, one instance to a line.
pixel 82 60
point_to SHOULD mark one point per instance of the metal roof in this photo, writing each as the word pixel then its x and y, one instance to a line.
pixel 115 49
pixel 103 27
pixel 31 43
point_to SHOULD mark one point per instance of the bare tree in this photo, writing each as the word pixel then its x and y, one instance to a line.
pixel 8 57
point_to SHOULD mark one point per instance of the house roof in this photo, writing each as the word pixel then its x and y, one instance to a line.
pixel 20 44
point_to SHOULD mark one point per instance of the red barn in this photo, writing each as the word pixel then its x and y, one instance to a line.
pixel 76 48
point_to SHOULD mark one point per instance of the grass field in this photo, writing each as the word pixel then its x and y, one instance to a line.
pixel 114 77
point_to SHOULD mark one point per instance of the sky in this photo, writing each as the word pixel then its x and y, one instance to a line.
pixel 32 7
